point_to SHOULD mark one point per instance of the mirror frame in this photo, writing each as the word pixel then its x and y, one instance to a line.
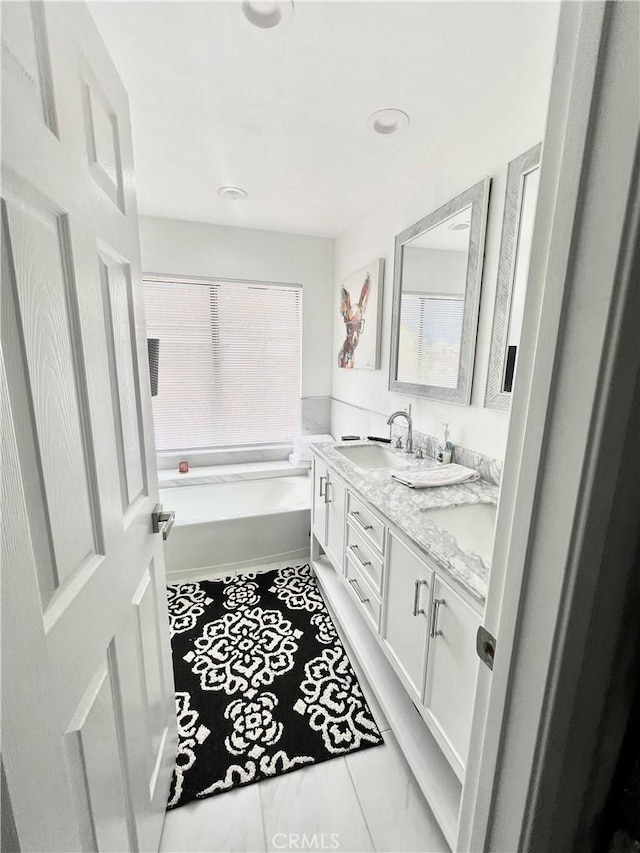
pixel 477 197
pixel 519 168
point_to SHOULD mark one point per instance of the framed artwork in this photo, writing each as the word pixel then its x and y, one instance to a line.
pixel 361 312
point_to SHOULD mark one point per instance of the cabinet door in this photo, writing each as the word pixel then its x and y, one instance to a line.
pixel 408 596
pixel 336 504
pixel 452 668
pixel 318 502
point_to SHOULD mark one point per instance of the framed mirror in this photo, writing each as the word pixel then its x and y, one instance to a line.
pixel 436 297
pixel 513 270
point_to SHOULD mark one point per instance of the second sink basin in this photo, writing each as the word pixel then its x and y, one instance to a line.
pixel 373 456
pixel 471 525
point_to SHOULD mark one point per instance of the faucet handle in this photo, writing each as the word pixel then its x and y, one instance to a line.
pixel 419 453
pixel 399 442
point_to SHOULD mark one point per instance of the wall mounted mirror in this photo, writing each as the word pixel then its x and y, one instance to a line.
pixel 513 270
pixel 436 297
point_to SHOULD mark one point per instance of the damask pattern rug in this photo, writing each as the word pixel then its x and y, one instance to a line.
pixel 263 683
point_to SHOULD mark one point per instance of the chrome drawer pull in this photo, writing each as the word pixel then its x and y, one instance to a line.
pixel 362 562
pixel 321 493
pixel 326 489
pixel 356 517
pixel 434 617
pixel 416 597
pixel 356 588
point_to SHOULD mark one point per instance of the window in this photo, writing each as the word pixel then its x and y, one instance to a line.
pixel 430 326
pixel 229 362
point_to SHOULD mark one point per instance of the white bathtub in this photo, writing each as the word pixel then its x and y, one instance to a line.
pixel 229 525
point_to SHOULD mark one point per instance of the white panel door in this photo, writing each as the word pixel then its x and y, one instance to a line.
pixel 453 667
pixel 406 620
pixel 319 501
pixel 88 710
pixel 336 504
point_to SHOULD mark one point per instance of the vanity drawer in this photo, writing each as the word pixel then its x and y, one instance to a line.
pixel 364 556
pixel 363 520
pixel 363 592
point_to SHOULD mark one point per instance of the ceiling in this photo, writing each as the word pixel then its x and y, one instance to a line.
pixel 445 236
pixel 283 112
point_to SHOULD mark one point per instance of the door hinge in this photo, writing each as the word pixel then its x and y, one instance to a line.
pixel 485 646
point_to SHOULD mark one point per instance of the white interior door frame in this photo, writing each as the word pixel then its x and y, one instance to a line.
pixel 568 510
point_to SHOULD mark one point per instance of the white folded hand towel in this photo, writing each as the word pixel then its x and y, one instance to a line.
pixel 443 475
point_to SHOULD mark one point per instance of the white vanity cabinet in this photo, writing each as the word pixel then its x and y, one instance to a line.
pixel 360 518
pixel 430 632
pixel 328 507
pixel 406 625
pixel 452 667
pixel 367 599
pixel 319 501
pixel 336 497
pixel 364 558
pixel 411 625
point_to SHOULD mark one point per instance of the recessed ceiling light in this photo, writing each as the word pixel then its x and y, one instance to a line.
pixel 459 226
pixel 267 13
pixel 233 193
pixel 389 121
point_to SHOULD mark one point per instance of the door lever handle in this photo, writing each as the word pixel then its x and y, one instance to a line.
pixel 162 520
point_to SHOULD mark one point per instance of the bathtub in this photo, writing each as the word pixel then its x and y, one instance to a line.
pixel 229 525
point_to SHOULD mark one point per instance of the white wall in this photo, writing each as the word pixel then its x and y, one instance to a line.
pixel 505 126
pixel 174 246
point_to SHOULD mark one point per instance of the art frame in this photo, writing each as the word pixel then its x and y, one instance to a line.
pixel 361 312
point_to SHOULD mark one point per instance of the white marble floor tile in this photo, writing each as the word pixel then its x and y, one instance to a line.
pixel 397 814
pixel 317 802
pixel 226 823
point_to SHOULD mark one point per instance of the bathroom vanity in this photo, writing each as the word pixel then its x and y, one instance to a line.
pixel 405 574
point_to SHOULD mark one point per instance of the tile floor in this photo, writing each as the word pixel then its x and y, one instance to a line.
pixel 366 801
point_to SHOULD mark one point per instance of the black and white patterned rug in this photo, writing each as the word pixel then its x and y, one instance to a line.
pixel 263 684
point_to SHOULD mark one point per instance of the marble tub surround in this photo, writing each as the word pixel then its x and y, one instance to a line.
pixel 168 460
pixel 315 415
pixel 404 508
pixel 227 473
pixel 489 469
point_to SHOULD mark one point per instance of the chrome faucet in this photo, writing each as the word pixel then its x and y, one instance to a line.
pixel 400 413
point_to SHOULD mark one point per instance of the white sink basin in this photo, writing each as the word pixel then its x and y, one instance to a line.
pixel 373 456
pixel 471 525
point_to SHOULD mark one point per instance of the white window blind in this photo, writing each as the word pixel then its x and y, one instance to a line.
pixel 229 368
pixel 430 335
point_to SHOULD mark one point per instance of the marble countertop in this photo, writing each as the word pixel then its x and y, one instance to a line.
pixel 403 506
